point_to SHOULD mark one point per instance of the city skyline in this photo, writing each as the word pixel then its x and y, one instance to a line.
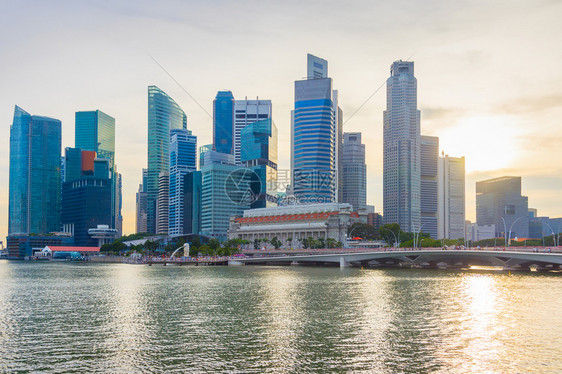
pixel 479 107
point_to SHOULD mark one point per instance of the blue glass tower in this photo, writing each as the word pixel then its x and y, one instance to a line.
pixel 95 131
pixel 223 122
pixel 183 160
pixel 35 176
pixel 163 115
pixel 314 135
pixel 192 203
pixel 259 154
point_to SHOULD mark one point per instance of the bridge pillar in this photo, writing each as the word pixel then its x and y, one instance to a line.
pixel 343 262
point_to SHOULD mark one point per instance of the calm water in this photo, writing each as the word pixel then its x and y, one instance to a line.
pixel 69 317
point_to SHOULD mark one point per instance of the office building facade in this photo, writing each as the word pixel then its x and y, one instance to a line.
pixel 314 137
pixel 401 149
pixel 183 160
pixel 163 115
pixel 142 205
pixel 259 154
pixel 162 203
pixel 246 112
pixel 35 178
pixel 354 189
pixel 429 159
pixel 499 202
pixel 451 207
pixel 223 122
pixel 192 191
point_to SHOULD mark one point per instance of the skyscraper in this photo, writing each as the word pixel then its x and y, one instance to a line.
pixel 499 202
pixel 223 125
pixel 95 131
pixel 142 204
pixel 354 189
pixel 192 183
pixel 259 154
pixel 314 136
pixel 35 176
pixel 246 112
pixel 183 160
pixel 86 195
pixel 163 203
pixel 401 153
pixel 451 206
pixel 163 115
pixel 429 157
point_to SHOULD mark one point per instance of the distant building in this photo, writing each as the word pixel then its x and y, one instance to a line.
pixel 475 232
pixel 374 219
pixel 429 159
pixel 162 203
pixel 142 205
pixel 183 160
pixel 86 195
pixel 354 189
pixel 451 201
pixel 35 178
pixel 246 112
pixel 499 202
pixel 21 246
pixel 202 150
pixel 163 115
pixel 223 125
pixel 259 154
pixel 192 190
pixel 314 136
pixel 291 224
pixel 401 153
pixel 226 191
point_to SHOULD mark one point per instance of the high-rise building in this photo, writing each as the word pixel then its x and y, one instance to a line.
pixel 86 195
pixel 499 202
pixel 142 203
pixel 95 131
pixel 183 160
pixel 192 203
pixel 259 154
pixel 246 112
pixel 223 125
pixel 451 193
pixel 429 159
pixel 35 176
pixel 226 191
pixel 202 150
pixel 354 189
pixel 162 203
pixel 163 115
pixel 401 159
pixel 314 131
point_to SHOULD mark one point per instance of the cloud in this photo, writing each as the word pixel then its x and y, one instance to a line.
pixel 532 104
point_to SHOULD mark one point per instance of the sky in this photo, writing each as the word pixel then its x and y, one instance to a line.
pixel 489 75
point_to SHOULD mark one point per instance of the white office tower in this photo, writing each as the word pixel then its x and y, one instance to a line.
pixel 354 171
pixel 401 149
pixel 428 173
pixel 246 112
pixel 451 197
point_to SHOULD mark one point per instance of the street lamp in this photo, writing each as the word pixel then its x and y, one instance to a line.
pixel 505 230
pixel 395 238
pixel 416 234
pixel 553 236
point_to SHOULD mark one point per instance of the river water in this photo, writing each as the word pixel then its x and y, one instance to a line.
pixel 84 317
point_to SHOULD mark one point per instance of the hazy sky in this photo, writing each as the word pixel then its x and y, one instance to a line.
pixel 489 75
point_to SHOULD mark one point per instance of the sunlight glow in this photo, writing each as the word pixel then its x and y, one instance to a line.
pixel 487 142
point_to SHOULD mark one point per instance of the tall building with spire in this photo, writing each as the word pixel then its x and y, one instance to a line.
pixel 35 177
pixel 401 149
pixel 315 128
pixel 164 114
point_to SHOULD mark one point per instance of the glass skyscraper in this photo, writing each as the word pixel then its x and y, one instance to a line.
pixel 354 171
pixel 35 175
pixel 163 115
pixel 95 131
pixel 259 154
pixel 314 136
pixel 246 112
pixel 183 160
pixel 223 125
pixel 429 160
pixel 401 149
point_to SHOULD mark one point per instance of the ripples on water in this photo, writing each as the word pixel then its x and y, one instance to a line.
pixel 71 317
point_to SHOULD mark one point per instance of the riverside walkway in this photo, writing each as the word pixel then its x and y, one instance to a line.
pixel 511 259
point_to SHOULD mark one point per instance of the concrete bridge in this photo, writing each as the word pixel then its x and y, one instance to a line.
pixel 509 260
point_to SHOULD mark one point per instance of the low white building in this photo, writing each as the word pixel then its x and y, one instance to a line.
pixel 476 232
pixel 293 223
